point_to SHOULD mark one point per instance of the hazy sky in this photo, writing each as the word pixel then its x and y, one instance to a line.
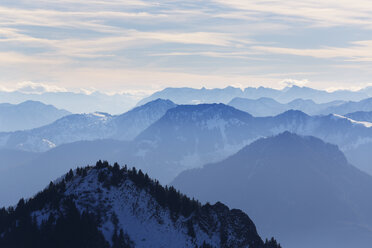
pixel 125 45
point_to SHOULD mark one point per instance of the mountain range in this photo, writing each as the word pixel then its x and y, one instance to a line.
pixel 269 107
pixel 108 206
pixel 119 103
pixel 297 187
pixel 195 96
pixel 185 137
pixel 296 160
pixel 27 115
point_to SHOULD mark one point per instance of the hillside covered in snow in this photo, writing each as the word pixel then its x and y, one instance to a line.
pixel 109 206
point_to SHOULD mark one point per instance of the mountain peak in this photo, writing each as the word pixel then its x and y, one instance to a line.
pixel 31 102
pixel 195 114
pixel 293 114
pixel 157 104
pixel 290 148
pixel 160 101
pixel 212 108
pixel 301 101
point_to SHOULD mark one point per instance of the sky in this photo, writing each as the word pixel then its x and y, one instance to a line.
pixel 138 46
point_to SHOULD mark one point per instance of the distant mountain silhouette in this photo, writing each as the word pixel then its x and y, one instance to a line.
pixel 187 95
pixel 195 96
pixel 27 115
pixel 269 107
pixel 299 188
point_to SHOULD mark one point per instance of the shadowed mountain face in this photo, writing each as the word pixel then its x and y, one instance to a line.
pixel 27 115
pixel 299 188
pixel 81 127
pixel 190 135
pixel 110 207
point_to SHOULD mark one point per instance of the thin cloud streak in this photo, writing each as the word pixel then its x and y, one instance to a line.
pixel 358 51
pixel 155 42
pixel 316 12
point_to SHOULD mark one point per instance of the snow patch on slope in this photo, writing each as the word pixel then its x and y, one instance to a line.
pixel 364 123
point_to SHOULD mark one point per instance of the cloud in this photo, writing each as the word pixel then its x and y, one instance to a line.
pixel 135 3
pixel 37 88
pixel 357 51
pixel 20 60
pixel 313 12
pixel 104 46
pixel 213 54
pixel 124 45
pixel 293 82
